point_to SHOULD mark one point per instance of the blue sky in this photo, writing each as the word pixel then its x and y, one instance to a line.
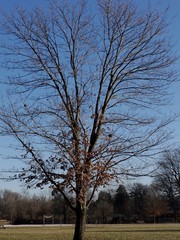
pixel 174 29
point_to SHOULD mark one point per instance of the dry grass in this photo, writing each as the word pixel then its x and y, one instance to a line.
pixel 95 232
pixel 135 232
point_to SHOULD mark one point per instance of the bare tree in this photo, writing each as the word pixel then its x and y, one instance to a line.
pixel 167 178
pixel 86 89
pixel 156 204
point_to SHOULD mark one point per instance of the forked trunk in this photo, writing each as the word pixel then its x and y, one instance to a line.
pixel 80 223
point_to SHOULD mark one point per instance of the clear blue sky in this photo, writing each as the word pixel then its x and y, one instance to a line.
pixel 173 18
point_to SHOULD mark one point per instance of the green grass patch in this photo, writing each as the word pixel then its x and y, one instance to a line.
pixel 95 232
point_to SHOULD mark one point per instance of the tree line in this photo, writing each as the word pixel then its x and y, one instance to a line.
pixel 135 203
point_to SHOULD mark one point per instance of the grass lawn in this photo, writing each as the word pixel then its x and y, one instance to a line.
pixel 95 232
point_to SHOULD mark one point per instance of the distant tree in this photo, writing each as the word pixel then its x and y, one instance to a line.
pixel 84 94
pixel 156 204
pixel 104 207
pixel 168 178
pixel 138 194
pixel 43 206
pixel 9 203
pixel 62 209
pixel 92 212
pixel 121 203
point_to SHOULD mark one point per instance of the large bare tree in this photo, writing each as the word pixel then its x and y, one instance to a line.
pixel 85 94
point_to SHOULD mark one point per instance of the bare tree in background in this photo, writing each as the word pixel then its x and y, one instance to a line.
pixel 167 178
pixel 86 92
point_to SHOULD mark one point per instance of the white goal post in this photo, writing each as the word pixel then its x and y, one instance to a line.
pixel 48 219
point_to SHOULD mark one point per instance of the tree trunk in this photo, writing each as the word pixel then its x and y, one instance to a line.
pixel 80 223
